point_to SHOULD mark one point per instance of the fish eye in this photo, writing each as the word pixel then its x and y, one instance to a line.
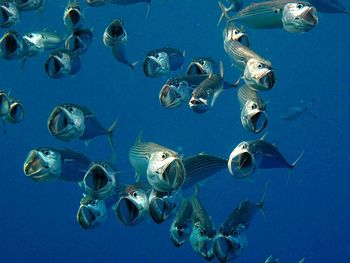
pixel 30 35
pixel 164 155
pixel 60 55
pixel 134 194
pixel 201 62
pixel 201 232
pixel 236 32
pixel 70 109
pixel 105 165
pixel 7 5
pixel 260 66
pixel 156 55
pixel 93 202
pixel 300 6
pixel 254 106
pixel 46 153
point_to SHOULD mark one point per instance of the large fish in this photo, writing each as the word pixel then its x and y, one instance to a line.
pixel 79 41
pixel 50 164
pixel 116 38
pixel 181 227
pixel 253 110
pixel 159 62
pixel 29 5
pixel 68 122
pixel 61 63
pixel 73 16
pixel 249 156
pixel 16 111
pixel 11 45
pixel 295 111
pixel 37 42
pixel 203 66
pixel 163 167
pixel 4 103
pixel 9 14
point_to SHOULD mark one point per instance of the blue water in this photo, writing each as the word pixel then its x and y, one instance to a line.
pixel 308 218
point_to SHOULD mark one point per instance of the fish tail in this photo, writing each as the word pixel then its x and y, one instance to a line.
pixel 110 139
pixel 224 10
pixel 133 64
pixel 296 161
pixel 262 200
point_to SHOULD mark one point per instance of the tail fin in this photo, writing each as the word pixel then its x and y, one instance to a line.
pixel 133 64
pixel 110 139
pixel 224 11
pixel 292 166
pixel 262 200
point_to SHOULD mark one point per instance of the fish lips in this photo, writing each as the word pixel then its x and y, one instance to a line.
pixel 16 113
pixel 266 80
pixel 199 105
pixel 129 212
pixel 60 121
pixel 225 249
pixel 256 121
pixel 37 169
pixel 169 97
pixel 55 67
pixel 90 218
pixel 160 209
pixel 73 18
pixel 310 18
pixel 4 104
pixel 11 44
pixel 241 163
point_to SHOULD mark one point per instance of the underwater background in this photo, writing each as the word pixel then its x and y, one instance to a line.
pixel 308 217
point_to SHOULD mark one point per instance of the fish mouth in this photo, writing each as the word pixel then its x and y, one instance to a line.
pixel 267 80
pixel 10 43
pixel 116 30
pixel 16 112
pixel 242 164
pixel 74 15
pixel 4 14
pixel 4 104
pixel 150 67
pixel 127 211
pixel 244 40
pixel 169 97
pixel 207 251
pixel 256 122
pixel 196 68
pixel 53 66
pixel 177 236
pixel 35 166
pixel 224 248
pixel 310 17
pixel 198 105
pixel 86 217
pixel 159 209
pixel 97 183
pixel 174 175
pixel 59 121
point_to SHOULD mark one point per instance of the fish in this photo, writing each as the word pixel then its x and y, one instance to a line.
pixel 249 156
pixel 79 41
pixel 132 206
pixel 73 16
pixel 295 111
pixel 299 17
pixel 177 91
pixel 234 33
pixel 203 231
pixel 95 2
pixel 9 14
pixel 37 42
pixel 11 45
pixel 203 66
pixel 181 227
pixel 161 61
pixel 100 181
pixel 163 167
pixel 4 104
pixel 47 164
pixel 61 63
pixel 270 259
pixel 116 38
pixel 253 110
pixel 163 205
pixel 16 111
pixel 29 5
pixel 69 122
pixel 131 2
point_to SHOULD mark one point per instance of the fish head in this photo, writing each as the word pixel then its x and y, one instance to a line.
pixel 259 74
pixel 9 14
pixel 242 161
pixel 79 41
pixel 202 66
pixel 33 43
pixel 59 64
pixel 234 33
pixel 67 122
pixel 91 213
pixel 4 104
pixel 202 241
pixel 165 171
pixel 43 165
pixel 174 93
pixel 73 16
pixel 11 45
pixel 16 112
pixel 115 34
pixel 180 232
pixel 156 64
pixel 100 181
pixel 132 207
pixel 299 17
pixel 162 205
pixel 253 117
pixel 202 100
pixel 95 2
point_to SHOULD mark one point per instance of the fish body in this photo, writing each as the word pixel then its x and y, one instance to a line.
pixel 161 61
pixel 49 164
pixel 181 227
pixel 9 14
pixel 4 104
pixel 61 63
pixel 29 5
pixel 16 111
pixel 79 41
pixel 203 66
pixel 37 42
pixel 73 16
pixel 11 46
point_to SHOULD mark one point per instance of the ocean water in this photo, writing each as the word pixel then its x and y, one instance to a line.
pixel 308 217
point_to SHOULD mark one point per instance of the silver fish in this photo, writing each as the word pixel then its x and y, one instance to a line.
pixel 249 156
pixel 95 2
pixel 299 17
pixel 37 42
pixel 100 181
pixel 163 167
pixel 9 14
pixel 79 41
pixel 233 33
pixel 61 63
pixel 116 38
pixel 50 164
pixel 29 5
pixel 295 111
pixel 11 46
pixel 73 16
pixel 253 110
pixel 16 112
pixel 203 66
pixel 159 62
pixel 181 227
pixel 4 104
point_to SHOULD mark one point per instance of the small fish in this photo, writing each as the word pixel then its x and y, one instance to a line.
pixel 178 90
pixel 249 156
pixel 203 66
pixel 163 167
pixel 49 164
pixel 233 33
pixel 253 110
pixel 37 42
pixel 159 62
pixel 100 180
pixel 132 206
pixel 295 111
pixel 131 2
pixel 79 41
pixel 9 14
pixel 61 63
pixel 11 46
pixel 95 2
pixel 4 104
pixel 29 5
pixel 73 16
pixel 162 205
pixel 203 232
pixel 181 227
pixel 116 38
pixel 16 112
pixel 299 17
pixel 270 259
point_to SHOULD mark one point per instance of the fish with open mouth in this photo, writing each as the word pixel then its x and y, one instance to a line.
pixel 9 14
pixel 177 91
pixel 234 33
pixel 249 156
pixel 299 17
pixel 79 41
pixel 68 122
pixel 231 239
pixel 11 45
pixel 295 111
pixel 100 181
pixel 16 111
pixel 73 16
pixel 37 42
pixel 159 62
pixel 116 38
pixel 163 167
pixel 61 63
pixel 50 164
pixel 4 103
pixel 253 110
pixel 203 231
pixel 29 5
pixel 203 66
pixel 131 2
pixel 181 227
pixel 132 206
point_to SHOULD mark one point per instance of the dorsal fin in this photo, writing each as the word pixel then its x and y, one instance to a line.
pixel 139 137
